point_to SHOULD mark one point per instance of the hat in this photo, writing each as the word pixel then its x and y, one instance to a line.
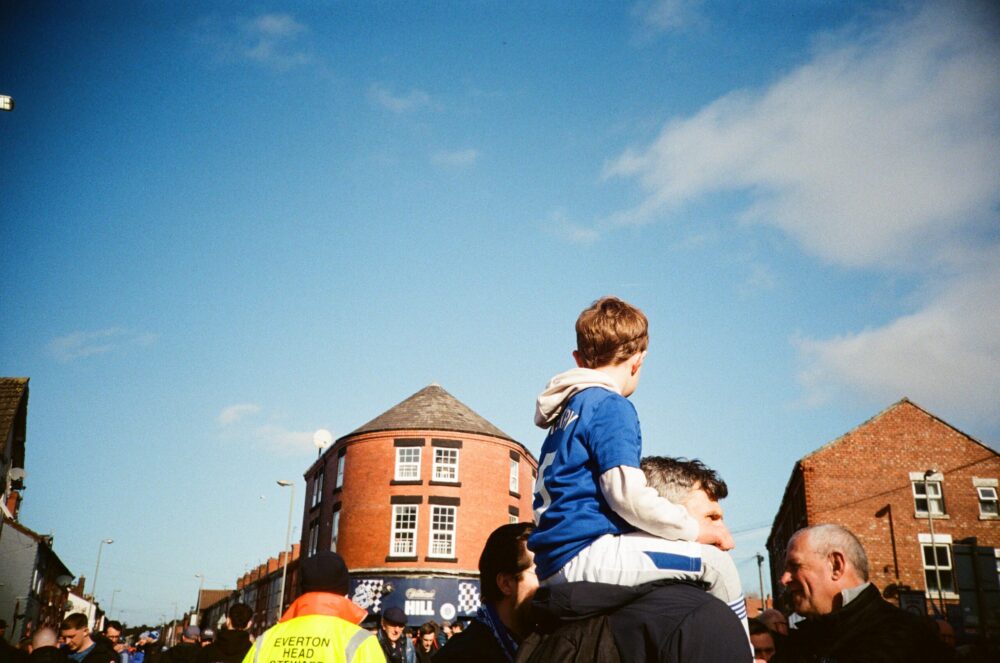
pixel 154 634
pixel 192 631
pixel 325 572
pixel 208 633
pixel 394 616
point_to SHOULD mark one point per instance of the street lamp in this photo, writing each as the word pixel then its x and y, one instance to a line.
pixel 197 608
pixel 284 483
pixel 93 585
pixel 930 523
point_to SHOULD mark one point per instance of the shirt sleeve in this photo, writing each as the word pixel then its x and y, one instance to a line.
pixel 614 436
pixel 627 494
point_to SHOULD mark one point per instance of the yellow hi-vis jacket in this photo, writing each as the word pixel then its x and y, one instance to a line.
pixel 302 636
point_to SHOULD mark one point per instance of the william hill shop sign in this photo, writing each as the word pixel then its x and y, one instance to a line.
pixel 421 598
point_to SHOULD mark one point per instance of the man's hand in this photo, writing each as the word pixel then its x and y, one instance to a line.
pixel 715 533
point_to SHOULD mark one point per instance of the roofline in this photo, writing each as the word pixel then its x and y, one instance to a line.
pixel 784 495
pixel 345 438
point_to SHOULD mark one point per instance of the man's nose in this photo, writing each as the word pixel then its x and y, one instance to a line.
pixel 786 578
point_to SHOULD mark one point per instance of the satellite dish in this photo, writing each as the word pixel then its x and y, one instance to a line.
pixel 16 474
pixel 322 438
pixel 64 581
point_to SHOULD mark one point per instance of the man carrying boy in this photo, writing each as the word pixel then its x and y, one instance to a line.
pixel 597 519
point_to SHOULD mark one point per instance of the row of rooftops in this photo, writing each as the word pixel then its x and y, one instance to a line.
pixel 265 569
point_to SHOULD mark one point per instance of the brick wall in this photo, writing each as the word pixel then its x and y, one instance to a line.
pixel 365 499
pixel 862 481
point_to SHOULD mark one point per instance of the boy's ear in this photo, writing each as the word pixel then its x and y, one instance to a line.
pixel 578 359
pixel 637 360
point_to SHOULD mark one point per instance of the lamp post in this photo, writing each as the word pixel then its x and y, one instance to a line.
pixel 111 610
pixel 760 575
pixel 93 585
pixel 930 523
pixel 197 605
pixel 284 483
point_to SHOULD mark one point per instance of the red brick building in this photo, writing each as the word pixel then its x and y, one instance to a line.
pixel 890 480
pixel 409 498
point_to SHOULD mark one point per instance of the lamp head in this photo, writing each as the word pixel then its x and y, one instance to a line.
pixel 284 483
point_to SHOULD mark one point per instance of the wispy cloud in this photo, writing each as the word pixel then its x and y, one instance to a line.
pixel 382 96
pixel 234 413
pixel 455 158
pixel 80 344
pixel 275 40
pixel 559 225
pixel 882 151
pixel 659 16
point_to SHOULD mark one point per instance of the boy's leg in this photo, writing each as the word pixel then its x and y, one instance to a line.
pixel 637 558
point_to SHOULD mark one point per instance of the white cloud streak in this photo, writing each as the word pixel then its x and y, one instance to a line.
pixel 381 95
pixel 882 152
pixel 659 16
pixel 234 413
pixel 455 158
pixel 81 344
pixel 275 40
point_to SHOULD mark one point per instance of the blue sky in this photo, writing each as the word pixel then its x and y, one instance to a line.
pixel 225 225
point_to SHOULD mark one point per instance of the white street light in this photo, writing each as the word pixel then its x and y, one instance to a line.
pixel 93 585
pixel 285 483
pixel 322 439
pixel 197 609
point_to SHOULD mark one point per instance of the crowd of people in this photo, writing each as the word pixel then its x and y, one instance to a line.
pixel 626 560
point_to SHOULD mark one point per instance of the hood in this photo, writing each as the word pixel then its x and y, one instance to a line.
pixel 564 386
pixel 231 641
pixel 571 601
pixel 324 603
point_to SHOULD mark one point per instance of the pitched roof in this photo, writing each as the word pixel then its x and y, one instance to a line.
pixel 431 408
pixel 12 390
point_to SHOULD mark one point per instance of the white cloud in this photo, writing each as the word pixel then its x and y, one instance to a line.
pixel 230 415
pixel 946 355
pixel 455 158
pixel 871 153
pixel 273 40
pixel 560 226
pixel 80 344
pixel 285 441
pixel 882 151
pixel 398 103
pixel 659 16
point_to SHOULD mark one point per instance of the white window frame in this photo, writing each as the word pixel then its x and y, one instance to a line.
pixel 317 494
pixel 441 466
pixel 941 541
pixel 932 484
pixel 334 530
pixel 512 519
pixel 340 471
pixel 988 495
pixel 444 528
pixel 515 471
pixel 313 538
pixel 408 469
pixel 396 540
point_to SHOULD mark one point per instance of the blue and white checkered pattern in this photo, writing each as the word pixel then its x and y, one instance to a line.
pixel 368 594
pixel 468 598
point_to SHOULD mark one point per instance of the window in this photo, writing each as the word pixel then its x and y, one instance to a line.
pixel 404 530
pixel 928 494
pixel 987 502
pixel 936 560
pixel 445 464
pixel 317 495
pixel 407 463
pixel 442 542
pixel 514 466
pixel 334 531
pixel 313 538
pixel 512 519
pixel 340 471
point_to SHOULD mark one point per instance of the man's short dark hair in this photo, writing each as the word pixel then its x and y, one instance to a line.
pixel 675 478
pixel 113 624
pixel 75 621
pixel 427 627
pixel 239 615
pixel 757 627
pixel 506 551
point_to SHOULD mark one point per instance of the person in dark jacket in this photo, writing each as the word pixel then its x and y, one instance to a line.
pixel 45 647
pixel 508 582
pixel 74 632
pixel 188 649
pixel 846 618
pixel 231 643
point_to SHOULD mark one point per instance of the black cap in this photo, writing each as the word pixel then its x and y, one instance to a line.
pixel 325 571
pixel 394 616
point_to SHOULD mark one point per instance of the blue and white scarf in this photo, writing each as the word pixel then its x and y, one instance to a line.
pixel 489 617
